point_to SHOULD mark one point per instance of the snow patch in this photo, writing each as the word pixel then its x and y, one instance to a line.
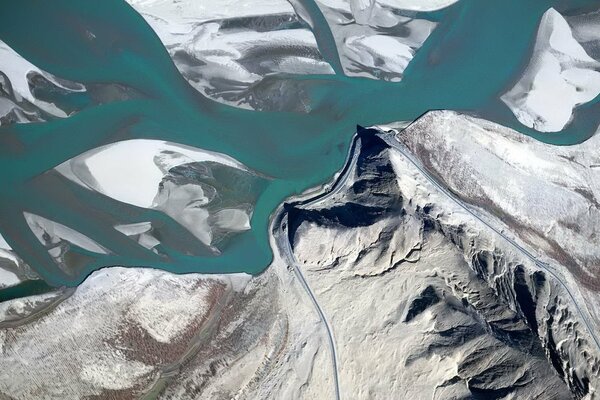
pixel 559 77
pixel 130 171
pixel 8 279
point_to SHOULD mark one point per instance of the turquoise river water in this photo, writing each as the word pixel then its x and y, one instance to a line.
pixel 477 51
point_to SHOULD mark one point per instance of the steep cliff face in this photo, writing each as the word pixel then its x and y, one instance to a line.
pixel 427 300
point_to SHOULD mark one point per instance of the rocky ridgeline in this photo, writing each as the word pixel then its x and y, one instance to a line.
pixel 427 301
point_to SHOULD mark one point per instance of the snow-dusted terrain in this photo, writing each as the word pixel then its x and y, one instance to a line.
pixel 545 195
pixel 126 333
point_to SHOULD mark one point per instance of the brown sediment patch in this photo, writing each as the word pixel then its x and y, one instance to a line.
pixel 234 341
pixel 135 343
pixel 202 332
